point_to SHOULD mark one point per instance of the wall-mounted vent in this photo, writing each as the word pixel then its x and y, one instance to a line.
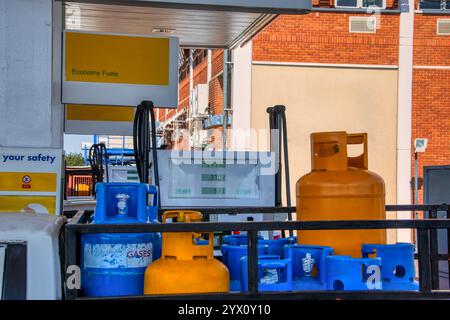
pixel 443 27
pixel 363 24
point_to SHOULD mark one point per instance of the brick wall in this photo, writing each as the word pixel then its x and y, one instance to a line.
pixel 183 93
pixel 325 38
pixel 215 86
pixel 201 73
pixel 431 93
pixel 430 49
pixel 200 77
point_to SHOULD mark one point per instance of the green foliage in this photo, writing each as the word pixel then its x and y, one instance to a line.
pixel 74 159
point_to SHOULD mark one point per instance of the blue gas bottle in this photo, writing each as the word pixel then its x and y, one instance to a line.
pixel 114 264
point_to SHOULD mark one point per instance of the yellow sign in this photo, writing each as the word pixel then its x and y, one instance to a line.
pixel 28 181
pixel 29 204
pixel 117 59
pixel 77 112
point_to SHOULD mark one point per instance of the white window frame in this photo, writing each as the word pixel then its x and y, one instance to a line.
pixel 359 5
pixel 437 27
pixel 445 7
pixel 362 18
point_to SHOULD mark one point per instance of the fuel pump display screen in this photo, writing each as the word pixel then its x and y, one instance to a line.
pixel 213 177
pixel 197 179
pixel 230 181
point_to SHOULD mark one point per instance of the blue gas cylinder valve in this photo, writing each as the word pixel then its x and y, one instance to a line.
pixel 122 207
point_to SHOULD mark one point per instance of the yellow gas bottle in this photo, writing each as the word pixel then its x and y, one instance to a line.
pixel 340 187
pixel 187 263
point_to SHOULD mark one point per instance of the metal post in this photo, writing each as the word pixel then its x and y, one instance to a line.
pixel 225 99
pixel 448 248
pixel 424 260
pixel 70 260
pixel 252 262
pixel 191 83
pixel 280 166
pixel 434 251
pixel 416 179
pixel 416 195
pixel 273 139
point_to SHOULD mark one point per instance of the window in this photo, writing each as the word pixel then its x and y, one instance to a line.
pixel 434 4
pixel 443 27
pixel 380 4
pixel 347 3
pixel 374 3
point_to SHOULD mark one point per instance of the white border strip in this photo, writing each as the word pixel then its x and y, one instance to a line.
pixel 326 65
pixel 31 194
pixel 432 67
pixel 2 267
pixel 120 128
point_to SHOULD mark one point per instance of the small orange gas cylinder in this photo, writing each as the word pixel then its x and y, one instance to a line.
pixel 340 187
pixel 187 263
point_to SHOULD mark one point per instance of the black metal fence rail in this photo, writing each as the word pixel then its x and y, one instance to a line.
pixel 430 208
pixel 425 229
pixel 293 295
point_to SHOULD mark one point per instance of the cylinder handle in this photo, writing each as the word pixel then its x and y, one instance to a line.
pixel 362 160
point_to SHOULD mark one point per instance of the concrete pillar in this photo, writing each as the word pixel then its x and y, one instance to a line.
pixel 30 109
pixel 404 127
pixel 209 67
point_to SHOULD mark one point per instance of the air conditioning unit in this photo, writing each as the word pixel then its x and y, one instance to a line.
pixel 363 24
pixel 216 120
pixel 200 100
pixel 198 138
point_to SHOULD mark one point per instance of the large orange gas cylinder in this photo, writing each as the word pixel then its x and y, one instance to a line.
pixel 187 263
pixel 340 187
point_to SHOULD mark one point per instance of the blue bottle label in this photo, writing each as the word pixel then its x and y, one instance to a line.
pixel 110 256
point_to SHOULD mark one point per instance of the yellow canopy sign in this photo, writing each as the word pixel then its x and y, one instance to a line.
pixel 76 112
pixel 117 59
pixel 97 119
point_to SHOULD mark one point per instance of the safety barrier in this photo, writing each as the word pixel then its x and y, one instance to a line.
pixel 78 185
pixel 427 254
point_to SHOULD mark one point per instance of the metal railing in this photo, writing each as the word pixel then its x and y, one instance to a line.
pixel 427 254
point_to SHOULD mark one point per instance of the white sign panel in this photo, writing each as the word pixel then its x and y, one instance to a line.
pixel 120 70
pixel 31 180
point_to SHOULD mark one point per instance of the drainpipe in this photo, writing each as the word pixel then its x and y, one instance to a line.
pixel 225 99
pixel 191 80
pixel 191 89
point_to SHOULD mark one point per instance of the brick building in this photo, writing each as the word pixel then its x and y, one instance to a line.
pixel 344 66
